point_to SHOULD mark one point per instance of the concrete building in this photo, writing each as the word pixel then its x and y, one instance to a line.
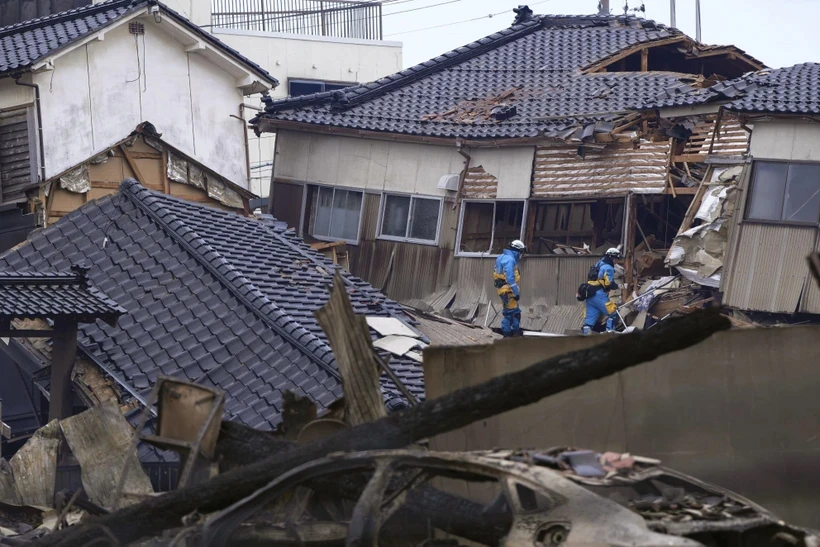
pixel 309 46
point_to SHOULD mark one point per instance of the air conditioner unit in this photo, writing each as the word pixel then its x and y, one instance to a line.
pixel 448 182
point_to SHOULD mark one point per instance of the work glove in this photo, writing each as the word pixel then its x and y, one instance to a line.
pixel 516 297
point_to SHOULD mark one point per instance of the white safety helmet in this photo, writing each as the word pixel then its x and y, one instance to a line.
pixel 614 252
pixel 518 245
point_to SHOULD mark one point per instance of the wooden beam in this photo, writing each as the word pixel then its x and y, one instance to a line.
pixel 689 158
pixel 23 333
pixel 681 191
pixel 716 128
pixel 133 165
pixel 63 354
pixel 166 185
pixel 645 60
pixel 632 50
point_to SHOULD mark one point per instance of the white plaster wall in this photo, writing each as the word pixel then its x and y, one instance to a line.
pixel 65 97
pixel 12 95
pixel 97 94
pixel 217 136
pixel 511 166
pixel 780 140
pixel 288 56
pixel 365 163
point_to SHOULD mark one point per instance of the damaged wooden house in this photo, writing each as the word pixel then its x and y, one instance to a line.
pixel 756 215
pixel 206 296
pixel 533 133
pixel 74 85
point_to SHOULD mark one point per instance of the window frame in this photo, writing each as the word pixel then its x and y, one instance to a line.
pixel 460 253
pixel 323 83
pixel 305 230
pixel 750 188
pixel 382 205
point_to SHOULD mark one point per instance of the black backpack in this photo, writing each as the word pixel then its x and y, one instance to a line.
pixel 592 275
pixel 585 290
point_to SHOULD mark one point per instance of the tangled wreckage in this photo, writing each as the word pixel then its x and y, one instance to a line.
pixel 348 478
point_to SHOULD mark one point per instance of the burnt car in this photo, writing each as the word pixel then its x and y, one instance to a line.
pixel 527 498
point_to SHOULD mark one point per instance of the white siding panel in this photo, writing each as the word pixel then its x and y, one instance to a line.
pixel 293 155
pixel 511 166
pixel 773 140
pixel 324 160
pixel 166 93
pixel 114 75
pixel 434 163
pixel 219 138
pixel 67 126
pixel 377 167
pixel 354 162
pixel 12 95
pixel 806 145
pixel 402 167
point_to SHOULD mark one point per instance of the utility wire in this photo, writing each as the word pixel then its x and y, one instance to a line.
pixel 489 16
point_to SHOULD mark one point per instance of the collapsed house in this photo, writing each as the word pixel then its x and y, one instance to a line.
pixel 759 219
pixel 428 174
pixel 74 84
pixel 209 297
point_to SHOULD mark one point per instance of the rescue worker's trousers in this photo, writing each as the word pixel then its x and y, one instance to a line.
pixel 597 307
pixel 511 323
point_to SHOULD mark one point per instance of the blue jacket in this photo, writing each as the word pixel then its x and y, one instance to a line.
pixel 606 274
pixel 505 266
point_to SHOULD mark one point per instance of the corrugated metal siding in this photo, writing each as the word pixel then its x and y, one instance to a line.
pixel 615 170
pixel 810 303
pixel 731 140
pixel 769 268
pixel 15 157
pixel 370 216
pixel 479 184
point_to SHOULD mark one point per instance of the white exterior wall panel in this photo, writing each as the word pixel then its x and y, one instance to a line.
pixel 12 95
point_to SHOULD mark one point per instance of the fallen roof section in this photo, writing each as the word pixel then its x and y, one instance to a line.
pixel 211 297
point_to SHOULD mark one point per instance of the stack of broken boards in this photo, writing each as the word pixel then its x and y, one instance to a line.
pixel 101 441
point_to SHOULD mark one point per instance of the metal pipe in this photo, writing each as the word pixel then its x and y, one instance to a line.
pixel 41 159
pixel 247 145
pixel 603 7
pixel 467 158
pixel 697 20
pixel 672 14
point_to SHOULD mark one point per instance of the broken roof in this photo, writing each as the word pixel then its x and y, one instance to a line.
pixel 25 43
pixel 527 80
pixel 789 90
pixel 210 296
pixel 53 295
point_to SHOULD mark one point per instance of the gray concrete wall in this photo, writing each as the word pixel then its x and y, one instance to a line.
pixel 741 410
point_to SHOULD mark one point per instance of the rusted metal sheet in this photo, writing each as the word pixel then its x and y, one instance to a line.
pixel 769 270
pixel 731 138
pixel 615 170
pixel 479 184
pixel 15 158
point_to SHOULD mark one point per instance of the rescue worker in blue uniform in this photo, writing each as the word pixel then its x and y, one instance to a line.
pixel 599 305
pixel 506 279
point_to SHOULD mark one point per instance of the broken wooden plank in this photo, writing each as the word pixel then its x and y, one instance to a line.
pixel 349 337
pixel 432 417
pixel 101 440
pixel 35 466
pixel 814 265
pixel 133 165
pixel 8 488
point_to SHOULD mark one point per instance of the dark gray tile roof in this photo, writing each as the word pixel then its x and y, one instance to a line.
pixel 536 65
pixel 54 295
pixel 211 297
pixel 790 90
pixel 25 43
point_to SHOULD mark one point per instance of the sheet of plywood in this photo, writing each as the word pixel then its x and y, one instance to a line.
pixel 35 466
pixel 108 171
pixel 151 170
pixel 8 490
pixel 65 201
pixel 96 193
pixel 101 440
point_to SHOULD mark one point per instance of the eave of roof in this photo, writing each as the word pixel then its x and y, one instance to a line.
pixel 123 8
